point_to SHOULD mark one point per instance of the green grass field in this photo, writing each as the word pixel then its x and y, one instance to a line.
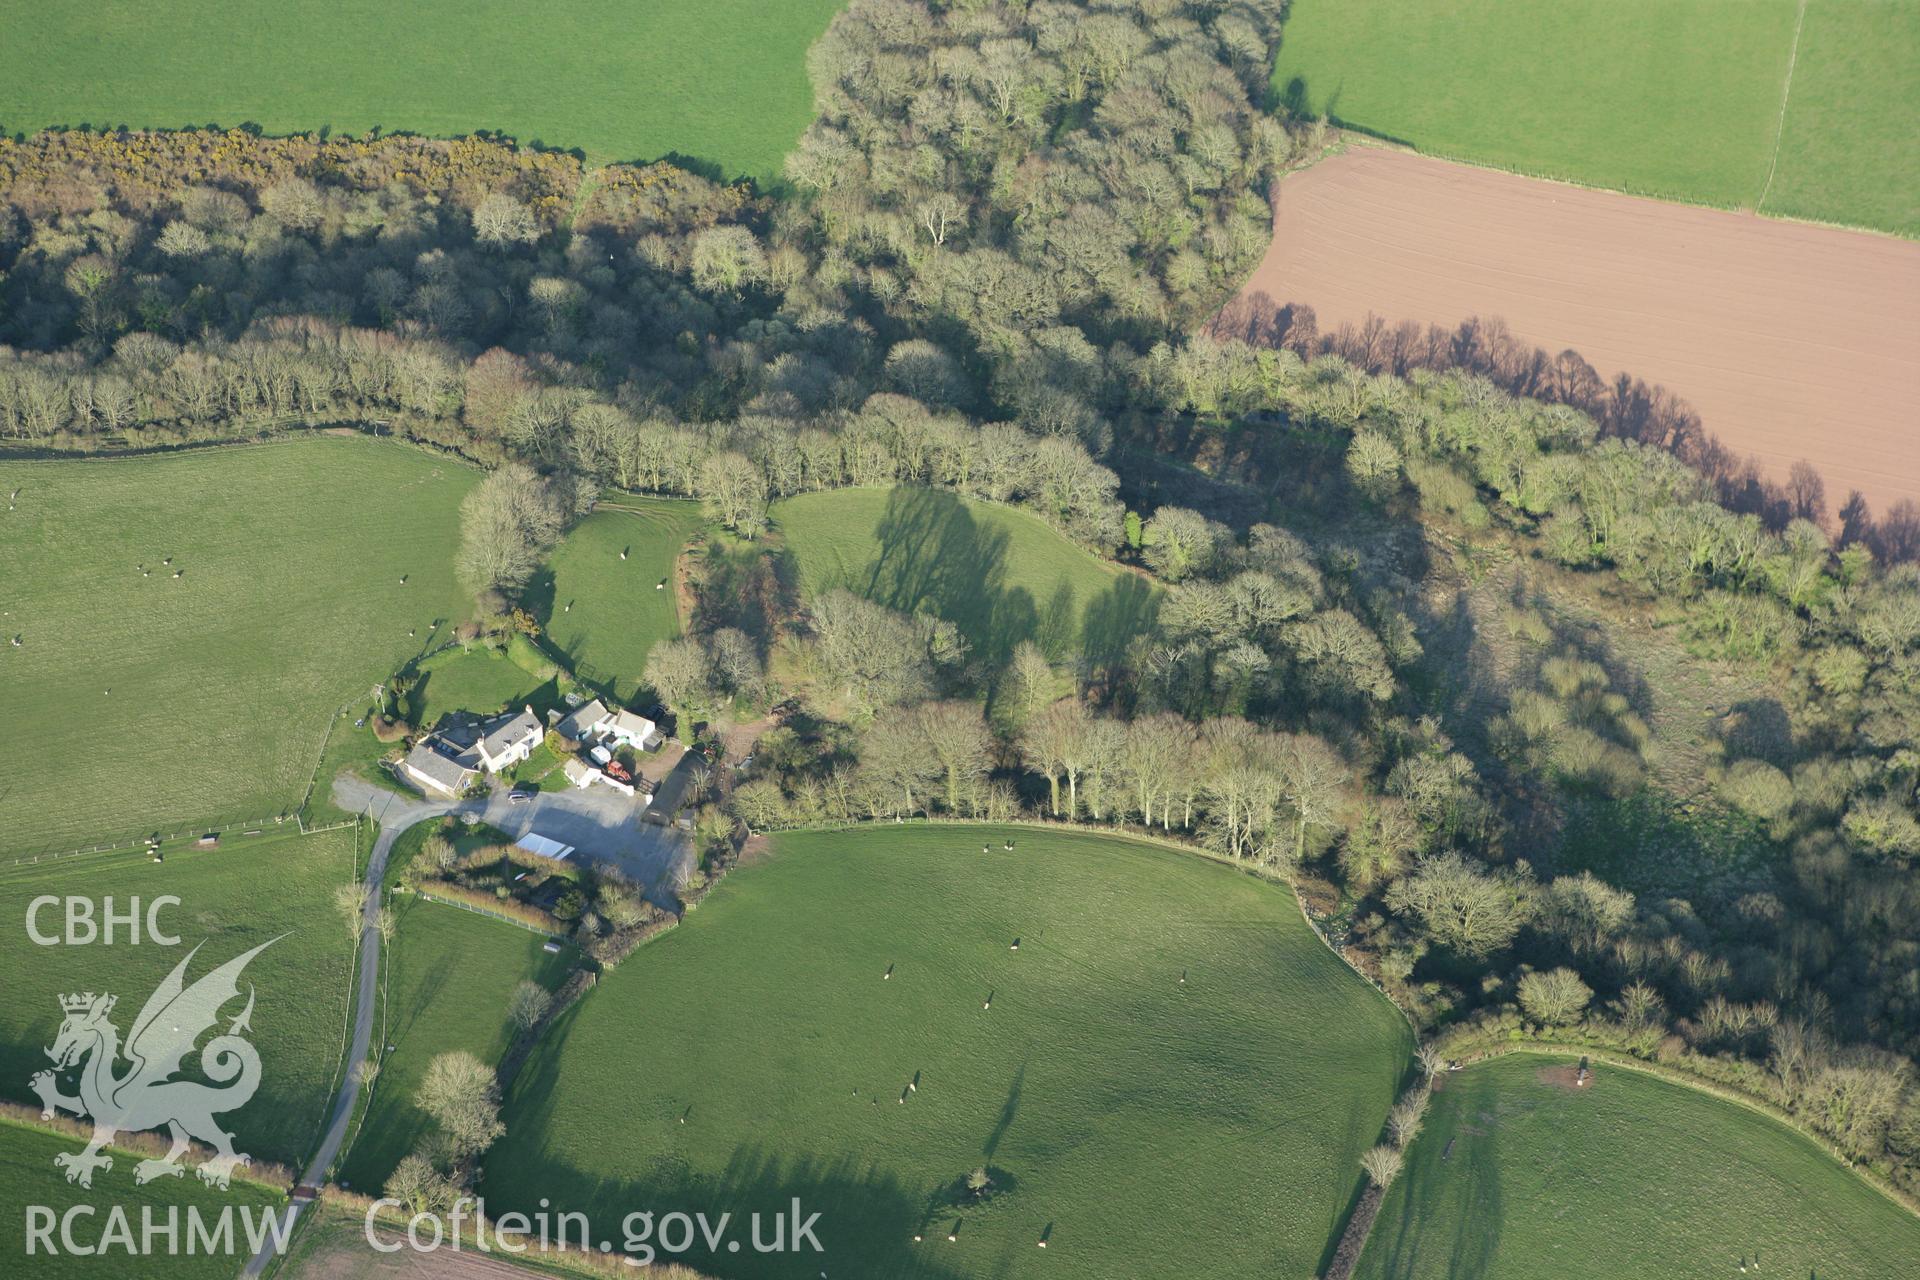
pixel 1000 574
pixel 1516 1177
pixel 452 973
pixel 478 680
pixel 617 613
pixel 1847 151
pixel 231 899
pixel 1138 1118
pixel 137 704
pixel 28 1177
pixel 724 82
pixel 1673 98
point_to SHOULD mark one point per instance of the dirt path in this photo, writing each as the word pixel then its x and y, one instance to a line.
pixel 1791 341
pixel 1786 92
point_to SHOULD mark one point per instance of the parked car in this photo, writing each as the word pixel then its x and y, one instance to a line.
pixel 522 792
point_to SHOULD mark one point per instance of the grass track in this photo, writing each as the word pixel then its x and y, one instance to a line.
pixel 617 614
pixel 1672 98
pixel 452 973
pixel 1848 144
pixel 1209 1129
pixel 222 680
pixel 722 81
pixel 231 899
pixel 1631 1177
pixel 28 1177
pixel 1000 574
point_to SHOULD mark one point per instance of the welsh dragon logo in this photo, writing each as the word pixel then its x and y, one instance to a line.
pixel 145 1095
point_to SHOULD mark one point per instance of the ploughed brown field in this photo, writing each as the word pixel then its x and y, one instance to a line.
pixel 1789 341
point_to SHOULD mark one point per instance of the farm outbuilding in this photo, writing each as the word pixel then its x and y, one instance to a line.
pixel 436 772
pixel 543 847
pixel 601 725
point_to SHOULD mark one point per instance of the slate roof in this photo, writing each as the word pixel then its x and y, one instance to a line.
pixel 507 730
pixel 429 763
pixel 636 727
pixel 582 721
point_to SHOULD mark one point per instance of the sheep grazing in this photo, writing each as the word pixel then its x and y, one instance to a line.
pixel 986 848
pixel 887 974
pixel 1009 844
pixel 177 572
pixel 1015 946
pixel 660 585
pixel 623 555
pixel 168 560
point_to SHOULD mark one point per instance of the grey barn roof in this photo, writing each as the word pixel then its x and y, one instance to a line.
pixel 582 720
pixel 504 732
pixel 428 763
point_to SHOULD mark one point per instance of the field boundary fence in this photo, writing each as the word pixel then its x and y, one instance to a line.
pixel 246 826
pixel 482 911
pixel 320 759
pixel 250 826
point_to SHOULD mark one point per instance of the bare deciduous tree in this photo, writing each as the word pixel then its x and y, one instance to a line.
pixel 350 901
pixel 1382 1164
pixel 462 1095
pixel 528 1004
pixel 956 736
pixel 1051 745
pixel 500 222
pixel 507 525
pixel 1555 997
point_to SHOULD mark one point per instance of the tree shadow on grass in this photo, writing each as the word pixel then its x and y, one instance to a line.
pixel 1008 1111
pixel 537 597
pixel 1399 1247
pixel 934 556
pixel 1126 610
pixel 867 1221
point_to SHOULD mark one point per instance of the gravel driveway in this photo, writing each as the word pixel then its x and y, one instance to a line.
pixel 598 821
